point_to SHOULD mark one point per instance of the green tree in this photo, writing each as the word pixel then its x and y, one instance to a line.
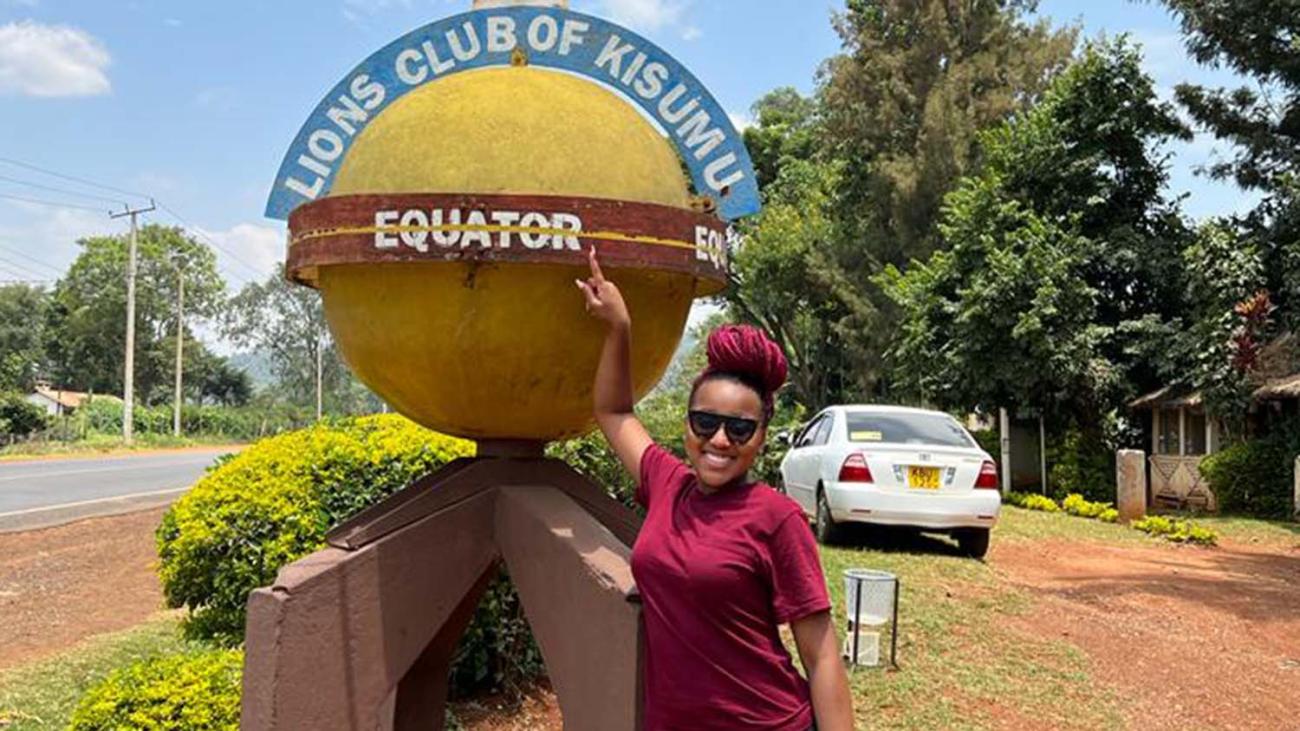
pixel 787 279
pixel 22 332
pixel 1261 120
pixel 287 322
pixel 904 102
pixel 1257 38
pixel 1064 254
pixel 87 323
pixel 785 129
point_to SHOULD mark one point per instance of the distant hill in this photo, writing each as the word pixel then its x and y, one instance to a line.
pixel 257 364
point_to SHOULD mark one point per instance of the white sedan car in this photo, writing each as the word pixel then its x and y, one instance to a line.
pixel 897 466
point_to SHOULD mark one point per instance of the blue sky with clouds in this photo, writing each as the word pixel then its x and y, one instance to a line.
pixel 195 102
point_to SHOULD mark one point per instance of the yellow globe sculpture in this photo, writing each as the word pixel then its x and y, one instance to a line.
pixel 503 350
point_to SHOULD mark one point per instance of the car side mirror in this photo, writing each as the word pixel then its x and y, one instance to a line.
pixel 785 438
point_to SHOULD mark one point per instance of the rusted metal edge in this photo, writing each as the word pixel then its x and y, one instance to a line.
pixel 446 227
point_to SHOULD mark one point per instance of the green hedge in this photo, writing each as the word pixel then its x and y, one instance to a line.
pixel 274 502
pixel 19 417
pixel 1256 477
pixel 198 691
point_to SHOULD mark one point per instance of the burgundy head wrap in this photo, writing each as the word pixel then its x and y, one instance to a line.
pixel 747 354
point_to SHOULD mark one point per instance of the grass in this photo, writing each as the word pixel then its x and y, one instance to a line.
pixel 963 663
pixel 41 696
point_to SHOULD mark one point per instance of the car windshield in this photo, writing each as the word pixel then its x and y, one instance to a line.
pixel 937 430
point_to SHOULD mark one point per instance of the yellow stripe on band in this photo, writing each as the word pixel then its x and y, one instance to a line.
pixel 602 235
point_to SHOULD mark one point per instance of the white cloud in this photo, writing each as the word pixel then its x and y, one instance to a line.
pixel 49 235
pixel 248 245
pixel 51 61
pixel 692 33
pixel 647 15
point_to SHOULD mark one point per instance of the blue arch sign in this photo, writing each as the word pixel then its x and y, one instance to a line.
pixel 696 124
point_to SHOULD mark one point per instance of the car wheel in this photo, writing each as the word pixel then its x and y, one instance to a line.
pixel 974 542
pixel 827 530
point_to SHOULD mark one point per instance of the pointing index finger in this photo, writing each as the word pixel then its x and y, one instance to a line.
pixel 595 265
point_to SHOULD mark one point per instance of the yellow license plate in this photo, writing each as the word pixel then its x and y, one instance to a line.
pixel 923 478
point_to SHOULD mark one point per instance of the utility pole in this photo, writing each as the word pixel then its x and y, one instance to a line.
pixel 320 375
pixel 128 370
pixel 180 344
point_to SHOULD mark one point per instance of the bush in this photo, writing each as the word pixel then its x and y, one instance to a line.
pixel 19 417
pixel 1076 505
pixel 1083 465
pixel 1031 501
pixel 273 504
pixel 1178 531
pixel 1109 515
pixel 990 440
pixel 1256 477
pixel 198 691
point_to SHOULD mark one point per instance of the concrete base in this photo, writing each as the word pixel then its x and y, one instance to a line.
pixel 360 635
pixel 1131 485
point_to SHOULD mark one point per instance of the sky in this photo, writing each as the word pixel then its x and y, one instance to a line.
pixel 195 103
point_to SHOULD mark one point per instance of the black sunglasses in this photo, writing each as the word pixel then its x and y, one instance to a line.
pixel 705 424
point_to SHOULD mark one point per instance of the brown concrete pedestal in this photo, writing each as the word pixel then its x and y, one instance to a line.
pixel 1131 485
pixel 360 635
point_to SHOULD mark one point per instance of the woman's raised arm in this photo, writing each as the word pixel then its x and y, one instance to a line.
pixel 613 400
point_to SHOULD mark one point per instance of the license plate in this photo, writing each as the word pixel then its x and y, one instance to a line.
pixel 923 478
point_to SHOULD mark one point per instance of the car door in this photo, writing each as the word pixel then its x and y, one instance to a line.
pixel 819 451
pixel 798 471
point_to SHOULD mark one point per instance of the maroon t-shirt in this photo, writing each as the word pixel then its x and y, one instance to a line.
pixel 718 574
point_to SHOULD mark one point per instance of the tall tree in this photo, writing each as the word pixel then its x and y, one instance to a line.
pixel 785 129
pixel 1261 40
pixel 287 322
pixel 904 102
pixel 787 280
pixel 87 334
pixel 1064 253
pixel 22 327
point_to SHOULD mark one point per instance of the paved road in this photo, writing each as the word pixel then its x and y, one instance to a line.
pixel 49 492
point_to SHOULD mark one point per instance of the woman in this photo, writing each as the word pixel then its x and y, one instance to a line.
pixel 721 561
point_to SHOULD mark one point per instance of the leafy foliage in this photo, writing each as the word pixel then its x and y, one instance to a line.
pixel 195 691
pixel 789 280
pixel 22 333
pixel 86 320
pixel 1031 501
pixel 273 504
pixel 18 417
pixel 1178 531
pixel 1077 505
pixel 1255 477
pixel 1084 462
pixel 905 101
pixel 287 321
pixel 1063 254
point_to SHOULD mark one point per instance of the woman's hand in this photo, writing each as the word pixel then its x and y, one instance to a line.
pixel 604 301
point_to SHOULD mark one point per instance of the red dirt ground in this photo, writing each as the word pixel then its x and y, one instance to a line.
pixel 1192 637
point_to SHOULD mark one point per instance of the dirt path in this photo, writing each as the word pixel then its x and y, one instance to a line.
pixel 1191 637
pixel 62 585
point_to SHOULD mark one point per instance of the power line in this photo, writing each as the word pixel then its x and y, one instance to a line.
pixel 199 232
pixel 65 191
pixel 52 204
pixel 52 268
pixel 19 269
pixel 72 178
